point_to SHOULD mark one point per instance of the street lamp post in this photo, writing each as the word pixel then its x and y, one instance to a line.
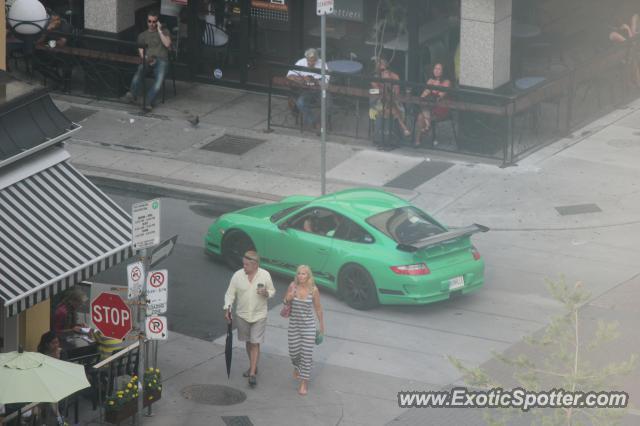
pixel 28 19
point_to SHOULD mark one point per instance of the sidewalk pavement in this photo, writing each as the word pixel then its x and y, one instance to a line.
pixel 596 166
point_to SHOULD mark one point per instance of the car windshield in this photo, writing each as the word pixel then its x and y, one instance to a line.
pixel 405 225
pixel 282 213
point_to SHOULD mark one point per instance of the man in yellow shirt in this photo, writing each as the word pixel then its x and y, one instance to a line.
pixel 250 287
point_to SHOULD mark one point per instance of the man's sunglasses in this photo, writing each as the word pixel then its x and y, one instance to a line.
pixel 152 21
pixel 250 258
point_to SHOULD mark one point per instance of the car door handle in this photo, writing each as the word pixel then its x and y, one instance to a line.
pixel 322 250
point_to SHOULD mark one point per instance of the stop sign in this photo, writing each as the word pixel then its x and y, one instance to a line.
pixel 111 315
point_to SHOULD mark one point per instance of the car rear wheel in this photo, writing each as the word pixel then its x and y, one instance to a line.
pixel 234 246
pixel 357 287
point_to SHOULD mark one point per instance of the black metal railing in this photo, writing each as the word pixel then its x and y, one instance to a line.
pixel 505 124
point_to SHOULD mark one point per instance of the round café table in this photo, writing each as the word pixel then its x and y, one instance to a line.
pixel 345 66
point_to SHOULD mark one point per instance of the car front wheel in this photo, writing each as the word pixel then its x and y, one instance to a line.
pixel 234 246
pixel 357 287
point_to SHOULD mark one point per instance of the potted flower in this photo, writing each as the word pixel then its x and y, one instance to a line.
pixel 124 403
pixel 152 385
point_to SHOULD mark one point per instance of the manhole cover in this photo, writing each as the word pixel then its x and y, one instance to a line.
pixel 237 421
pixel 76 114
pixel 213 394
pixel 232 144
pixel 578 209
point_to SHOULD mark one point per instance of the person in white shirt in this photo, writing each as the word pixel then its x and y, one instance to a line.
pixel 250 287
pixel 308 97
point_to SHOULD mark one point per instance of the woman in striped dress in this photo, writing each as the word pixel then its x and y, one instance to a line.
pixel 304 298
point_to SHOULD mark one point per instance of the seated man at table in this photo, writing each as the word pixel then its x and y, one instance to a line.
pixel 56 30
pixel 307 97
pixel 158 42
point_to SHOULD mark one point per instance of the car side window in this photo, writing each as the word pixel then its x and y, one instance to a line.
pixel 351 231
pixel 312 220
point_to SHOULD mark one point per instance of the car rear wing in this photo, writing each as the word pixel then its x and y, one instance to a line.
pixel 441 238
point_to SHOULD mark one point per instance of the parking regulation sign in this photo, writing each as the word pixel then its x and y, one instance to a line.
pixel 145 221
pixel 324 7
pixel 157 291
pixel 156 328
pixel 135 279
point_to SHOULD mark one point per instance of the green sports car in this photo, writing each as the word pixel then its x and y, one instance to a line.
pixel 368 245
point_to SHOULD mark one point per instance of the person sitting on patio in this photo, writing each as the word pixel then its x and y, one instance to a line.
pixel 386 104
pixel 307 97
pixel 158 42
pixel 423 120
pixel 50 345
pixel 625 31
pixel 107 346
pixel 55 30
pixel 621 34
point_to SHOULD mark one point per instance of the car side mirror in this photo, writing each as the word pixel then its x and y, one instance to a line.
pixel 283 226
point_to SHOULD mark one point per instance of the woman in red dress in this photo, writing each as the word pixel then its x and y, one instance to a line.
pixel 423 120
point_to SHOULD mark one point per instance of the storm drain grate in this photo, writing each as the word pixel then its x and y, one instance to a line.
pixel 213 394
pixel 76 114
pixel 237 421
pixel 418 175
pixel 578 209
pixel 233 144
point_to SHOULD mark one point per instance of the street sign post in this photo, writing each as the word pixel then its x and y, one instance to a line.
pixel 145 220
pixel 156 328
pixel 162 251
pixel 323 8
pixel 111 315
pixel 135 279
pixel 157 291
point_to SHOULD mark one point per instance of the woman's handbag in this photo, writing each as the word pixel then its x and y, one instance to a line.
pixel 286 310
pixel 319 337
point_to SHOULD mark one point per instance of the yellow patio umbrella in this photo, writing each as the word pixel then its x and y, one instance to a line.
pixel 34 377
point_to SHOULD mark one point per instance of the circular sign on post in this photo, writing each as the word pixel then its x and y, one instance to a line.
pixel 111 315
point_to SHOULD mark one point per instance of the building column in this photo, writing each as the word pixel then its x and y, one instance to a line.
pixel 485 43
pixel 110 16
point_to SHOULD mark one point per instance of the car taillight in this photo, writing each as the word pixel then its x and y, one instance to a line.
pixel 415 269
pixel 475 253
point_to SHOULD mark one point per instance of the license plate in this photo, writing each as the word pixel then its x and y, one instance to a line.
pixel 456 283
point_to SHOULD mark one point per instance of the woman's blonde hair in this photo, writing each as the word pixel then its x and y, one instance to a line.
pixel 311 280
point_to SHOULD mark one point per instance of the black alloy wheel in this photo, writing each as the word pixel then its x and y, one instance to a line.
pixel 234 245
pixel 357 288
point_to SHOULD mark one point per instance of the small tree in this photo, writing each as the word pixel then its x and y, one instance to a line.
pixel 561 363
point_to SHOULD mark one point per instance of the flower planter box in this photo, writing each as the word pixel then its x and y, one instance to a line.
pixel 131 407
pixel 153 393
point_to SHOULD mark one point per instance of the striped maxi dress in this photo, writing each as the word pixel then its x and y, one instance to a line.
pixel 302 335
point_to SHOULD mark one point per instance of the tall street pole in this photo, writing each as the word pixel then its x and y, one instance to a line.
pixel 323 105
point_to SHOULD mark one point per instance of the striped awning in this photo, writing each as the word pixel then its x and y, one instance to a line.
pixel 56 229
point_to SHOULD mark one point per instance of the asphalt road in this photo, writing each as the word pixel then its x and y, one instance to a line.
pixel 410 342
pixel 197 283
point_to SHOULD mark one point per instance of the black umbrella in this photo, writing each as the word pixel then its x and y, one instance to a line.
pixel 228 347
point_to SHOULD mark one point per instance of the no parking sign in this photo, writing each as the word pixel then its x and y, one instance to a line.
pixel 157 293
pixel 156 328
